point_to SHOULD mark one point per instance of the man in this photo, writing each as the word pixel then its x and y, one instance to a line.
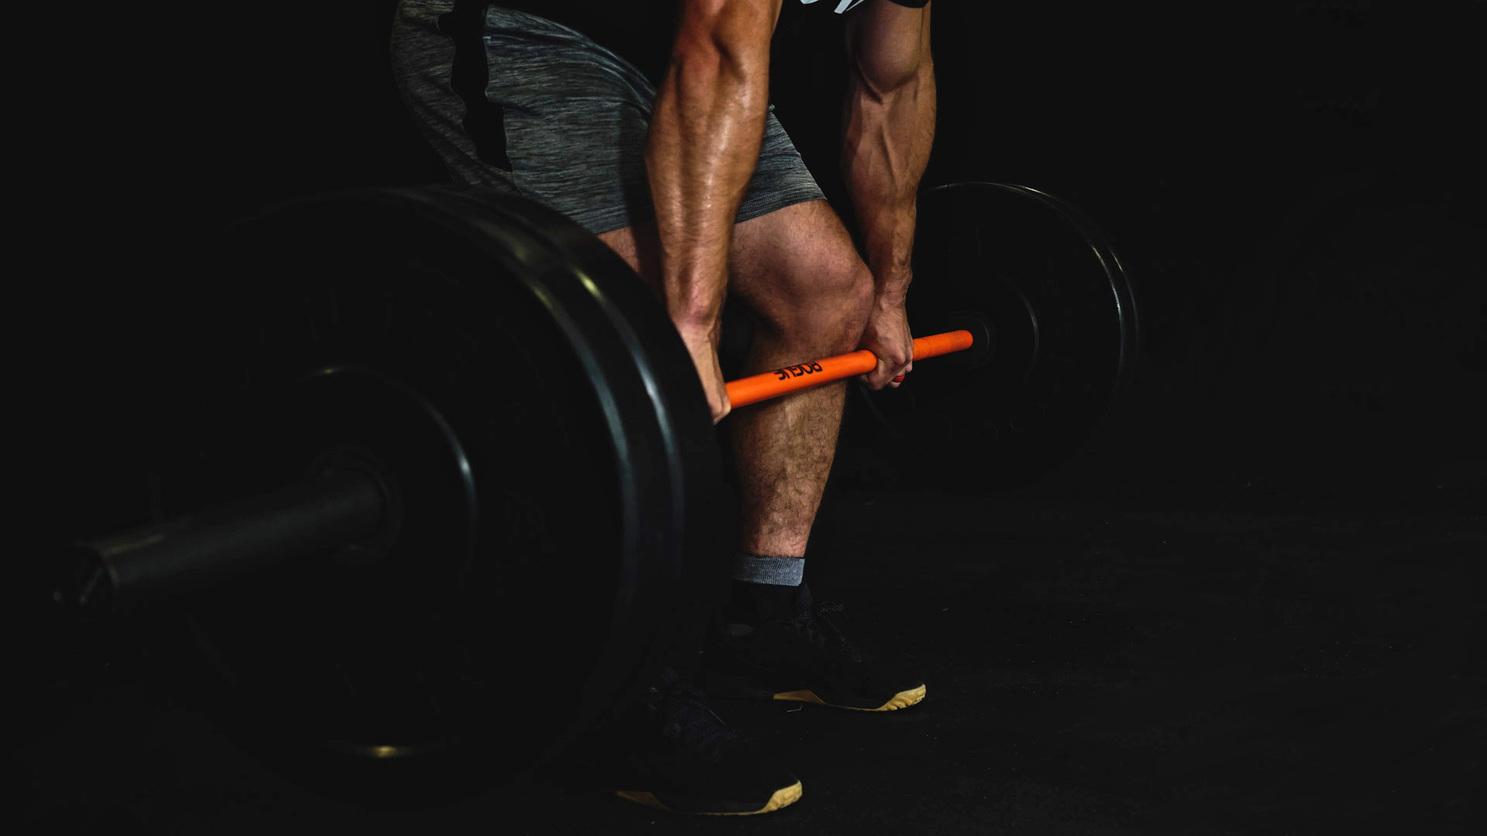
pixel 648 122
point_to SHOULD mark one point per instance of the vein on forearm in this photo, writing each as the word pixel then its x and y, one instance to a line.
pixel 888 131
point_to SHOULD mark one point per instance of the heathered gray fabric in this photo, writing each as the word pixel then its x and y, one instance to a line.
pixel 576 118
pixel 779 571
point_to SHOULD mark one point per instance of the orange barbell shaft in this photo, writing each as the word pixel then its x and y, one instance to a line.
pixel 761 387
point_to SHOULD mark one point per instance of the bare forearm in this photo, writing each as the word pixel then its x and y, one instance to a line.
pixel 888 133
pixel 706 129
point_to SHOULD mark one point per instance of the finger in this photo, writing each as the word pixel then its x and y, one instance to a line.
pixel 902 374
pixel 879 378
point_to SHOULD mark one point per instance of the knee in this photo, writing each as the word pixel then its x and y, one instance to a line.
pixel 828 307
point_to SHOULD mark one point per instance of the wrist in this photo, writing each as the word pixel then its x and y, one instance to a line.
pixel 893 291
pixel 697 326
pixel 695 304
pixel 892 268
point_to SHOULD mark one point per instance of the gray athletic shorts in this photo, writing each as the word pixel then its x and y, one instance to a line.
pixel 576 117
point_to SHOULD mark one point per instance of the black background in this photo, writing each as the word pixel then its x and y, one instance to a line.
pixel 1294 186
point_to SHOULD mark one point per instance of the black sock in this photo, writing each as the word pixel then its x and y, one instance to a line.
pixel 758 603
pixel 766 588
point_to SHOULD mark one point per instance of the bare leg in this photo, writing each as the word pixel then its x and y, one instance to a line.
pixel 798 271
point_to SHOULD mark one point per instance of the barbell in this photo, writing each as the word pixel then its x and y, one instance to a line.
pixel 445 478
pixel 772 384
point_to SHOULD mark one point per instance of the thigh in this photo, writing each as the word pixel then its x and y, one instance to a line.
pixel 795 269
pixel 771 254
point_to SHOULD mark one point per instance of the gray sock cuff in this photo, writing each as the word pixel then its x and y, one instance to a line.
pixel 778 571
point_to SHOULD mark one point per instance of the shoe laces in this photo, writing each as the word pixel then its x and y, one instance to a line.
pixel 686 719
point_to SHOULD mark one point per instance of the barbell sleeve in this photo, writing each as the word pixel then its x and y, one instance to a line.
pixel 772 384
pixel 123 571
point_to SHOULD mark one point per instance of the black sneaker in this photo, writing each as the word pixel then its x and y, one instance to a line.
pixel 806 658
pixel 675 754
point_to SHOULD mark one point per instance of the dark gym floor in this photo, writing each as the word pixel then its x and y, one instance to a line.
pixel 1094 667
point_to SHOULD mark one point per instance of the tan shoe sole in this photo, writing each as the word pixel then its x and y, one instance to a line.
pixel 903 699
